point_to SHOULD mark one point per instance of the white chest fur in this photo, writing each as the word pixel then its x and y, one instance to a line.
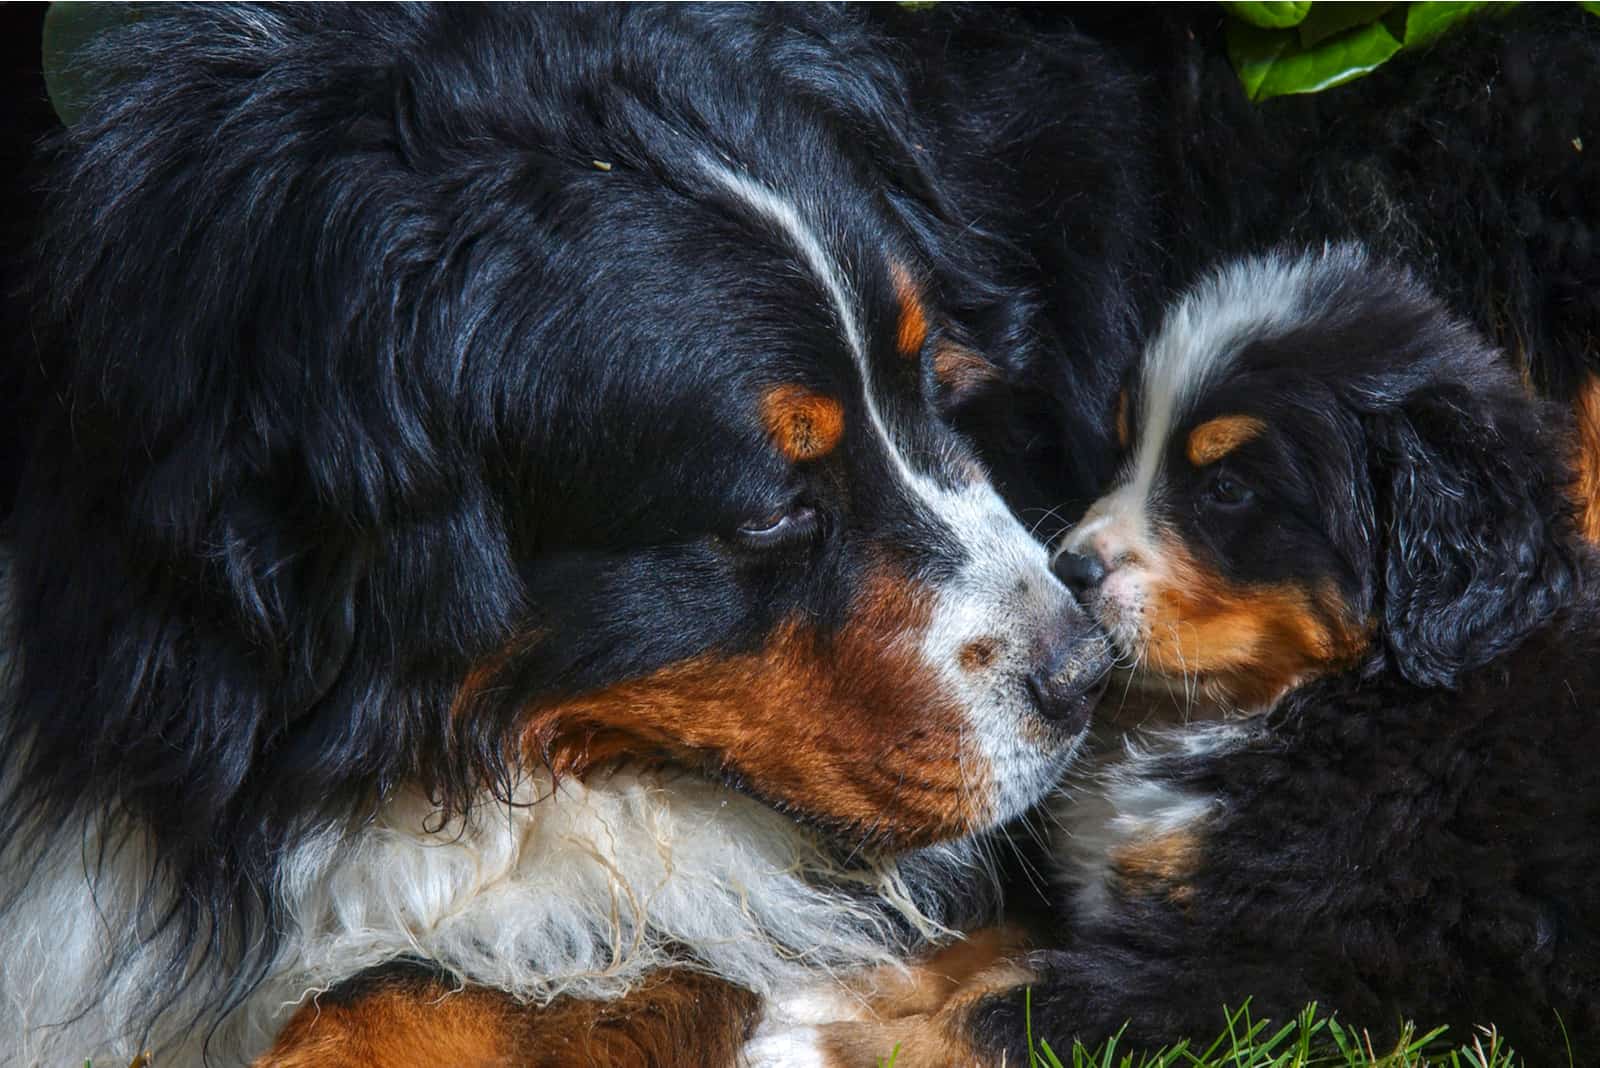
pixel 573 889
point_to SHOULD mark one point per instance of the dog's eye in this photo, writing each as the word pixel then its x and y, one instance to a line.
pixel 1227 492
pixel 787 526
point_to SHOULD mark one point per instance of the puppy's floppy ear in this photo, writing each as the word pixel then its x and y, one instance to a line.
pixel 1473 526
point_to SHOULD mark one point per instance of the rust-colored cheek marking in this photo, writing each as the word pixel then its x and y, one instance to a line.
pixel 1120 420
pixel 804 425
pixel 853 729
pixel 1246 645
pixel 1586 487
pixel 1216 438
pixel 913 329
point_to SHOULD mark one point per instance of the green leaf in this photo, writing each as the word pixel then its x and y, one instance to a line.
pixel 1330 20
pixel 1269 14
pixel 68 27
pixel 1591 6
pixel 1272 63
pixel 1425 22
pixel 1253 51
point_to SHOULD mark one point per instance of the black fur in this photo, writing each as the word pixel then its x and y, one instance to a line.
pixel 1465 161
pixel 25 117
pixel 339 391
pixel 1408 839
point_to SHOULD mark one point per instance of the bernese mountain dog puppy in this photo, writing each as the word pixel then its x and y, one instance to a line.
pixel 1472 162
pixel 493 528
pixel 1342 517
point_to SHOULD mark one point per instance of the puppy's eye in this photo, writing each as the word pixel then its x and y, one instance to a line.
pixel 787 526
pixel 1225 492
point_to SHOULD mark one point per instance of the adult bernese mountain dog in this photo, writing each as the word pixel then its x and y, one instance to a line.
pixel 1342 517
pixel 492 527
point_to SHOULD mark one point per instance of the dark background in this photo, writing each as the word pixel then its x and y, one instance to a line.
pixel 25 117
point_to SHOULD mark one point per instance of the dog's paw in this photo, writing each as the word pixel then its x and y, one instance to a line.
pixel 800 1046
pixel 910 1041
pixel 791 1032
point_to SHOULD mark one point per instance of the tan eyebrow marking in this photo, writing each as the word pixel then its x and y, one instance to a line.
pixel 961 371
pixel 913 319
pixel 805 425
pixel 1124 431
pixel 1586 489
pixel 1216 438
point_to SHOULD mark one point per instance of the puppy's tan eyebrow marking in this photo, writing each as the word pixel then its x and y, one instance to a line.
pixel 1120 420
pixel 804 424
pixel 1216 438
pixel 913 330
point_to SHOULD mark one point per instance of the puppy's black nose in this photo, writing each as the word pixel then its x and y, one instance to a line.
pixel 1079 573
pixel 1073 667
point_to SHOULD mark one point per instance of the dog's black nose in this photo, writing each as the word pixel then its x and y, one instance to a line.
pixel 1079 573
pixel 1071 675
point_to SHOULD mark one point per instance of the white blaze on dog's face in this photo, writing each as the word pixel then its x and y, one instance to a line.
pixel 1209 561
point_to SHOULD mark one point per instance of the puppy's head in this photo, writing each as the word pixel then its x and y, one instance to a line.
pixel 462 391
pixel 1321 464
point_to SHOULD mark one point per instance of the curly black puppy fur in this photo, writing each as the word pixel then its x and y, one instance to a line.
pixel 1337 488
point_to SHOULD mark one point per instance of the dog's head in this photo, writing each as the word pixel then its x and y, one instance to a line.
pixel 458 391
pixel 1321 463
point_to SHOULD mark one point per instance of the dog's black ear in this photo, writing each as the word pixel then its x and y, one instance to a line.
pixel 1474 525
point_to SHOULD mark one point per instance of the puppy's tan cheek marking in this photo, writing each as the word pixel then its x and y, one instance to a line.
pixel 913 325
pixel 1248 644
pixel 1164 865
pixel 803 424
pixel 1216 438
pixel 1586 487
pixel 853 729
pixel 1120 420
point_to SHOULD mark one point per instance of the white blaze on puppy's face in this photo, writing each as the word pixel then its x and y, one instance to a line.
pixel 1170 613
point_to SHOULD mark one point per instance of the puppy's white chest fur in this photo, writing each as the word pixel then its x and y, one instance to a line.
pixel 1126 812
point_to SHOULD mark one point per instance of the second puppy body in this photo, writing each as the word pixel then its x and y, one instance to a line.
pixel 1339 513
